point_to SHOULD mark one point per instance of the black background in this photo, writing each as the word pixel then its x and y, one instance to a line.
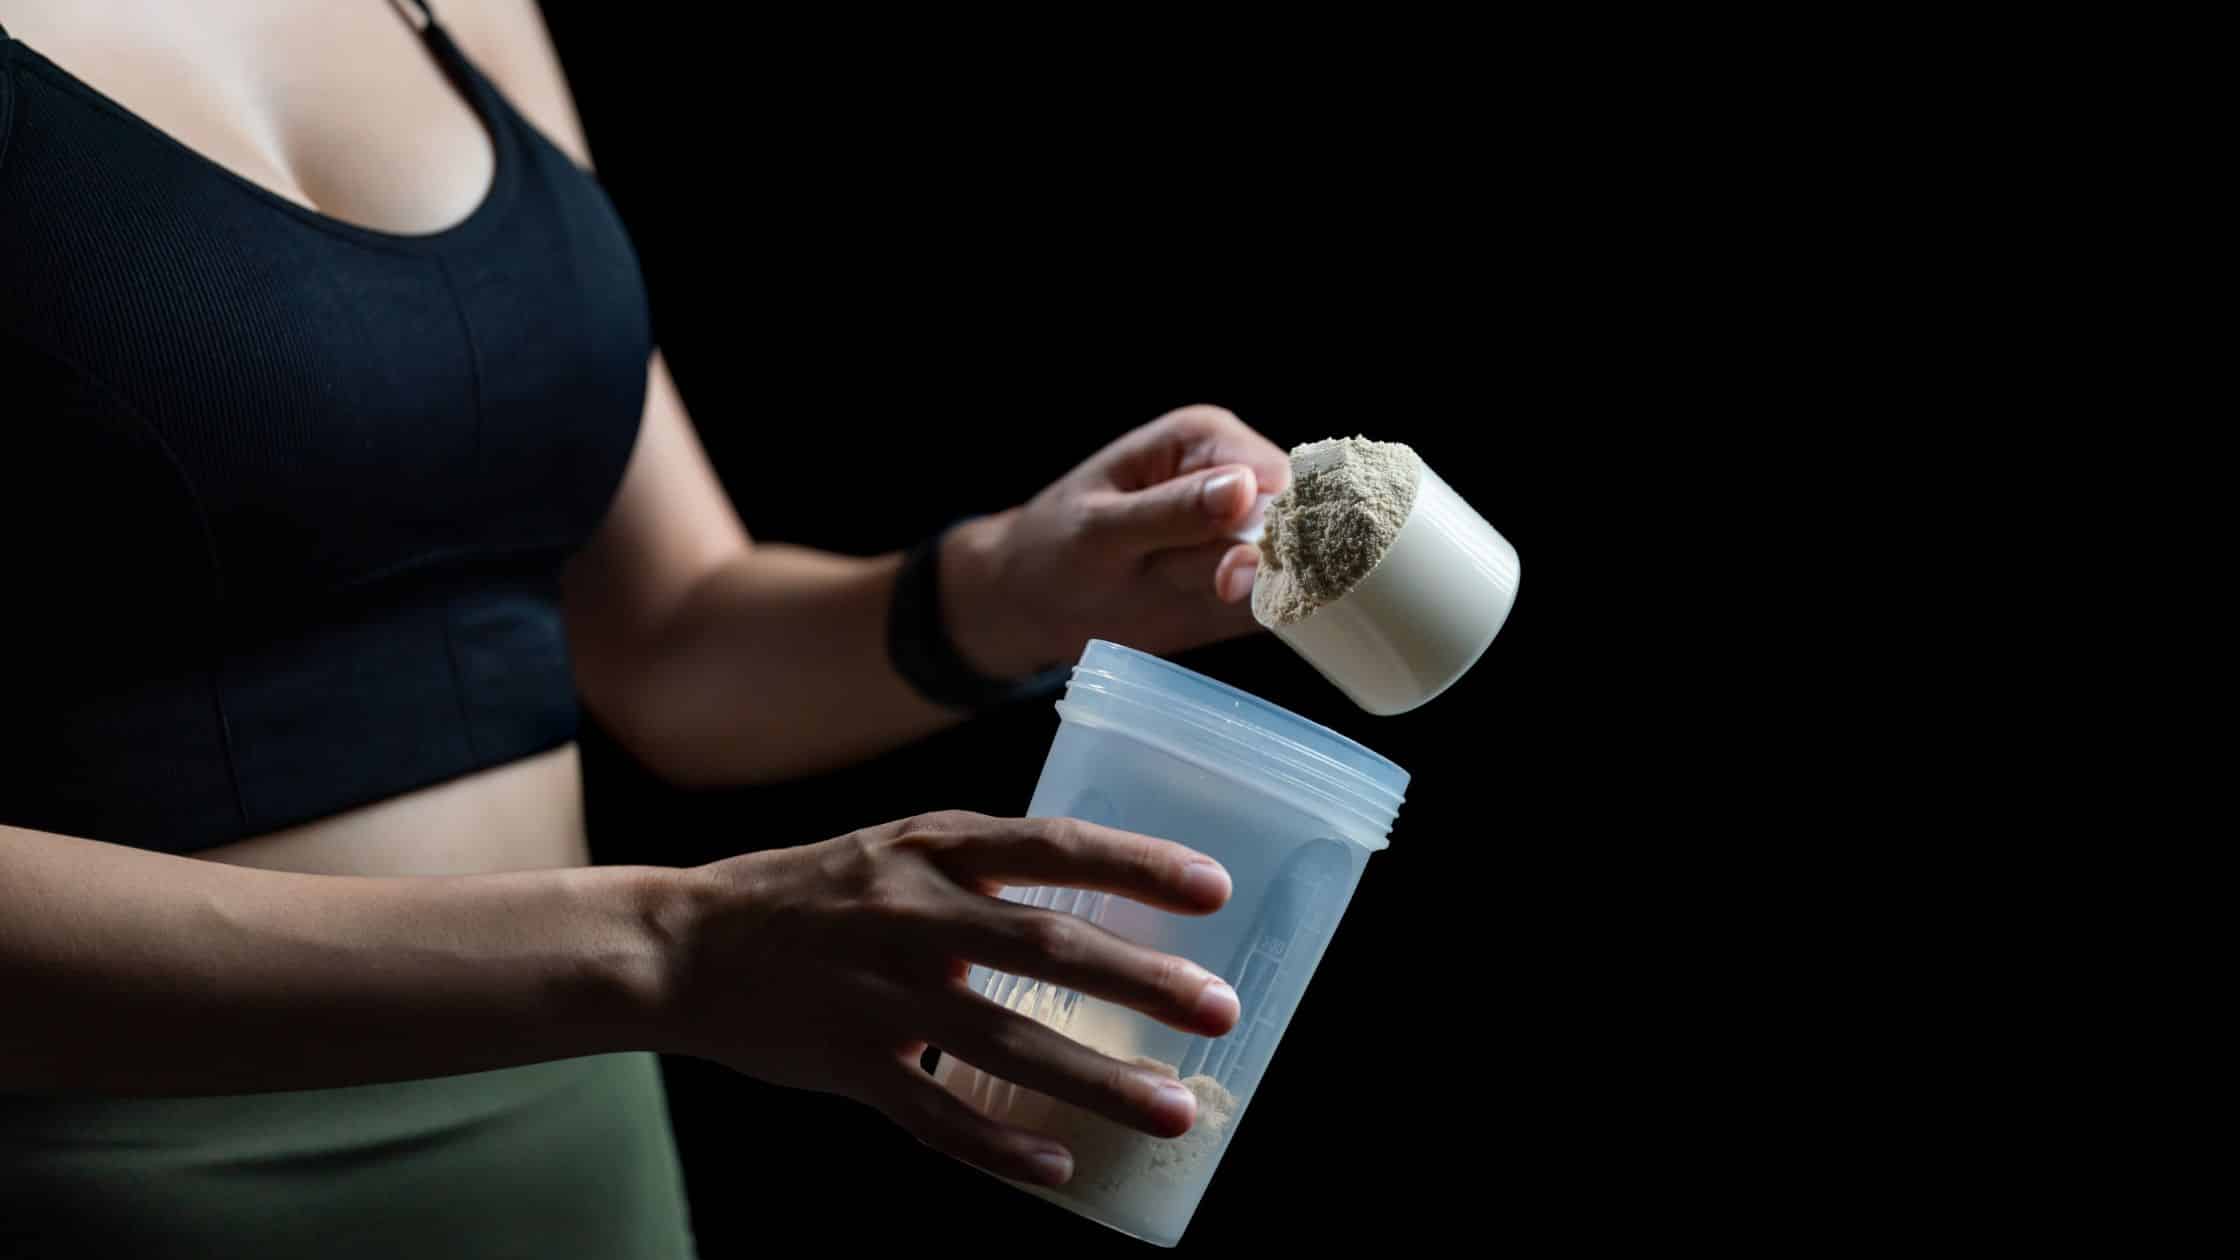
pixel 891 296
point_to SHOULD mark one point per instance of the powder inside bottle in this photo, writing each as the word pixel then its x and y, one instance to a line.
pixel 1114 1165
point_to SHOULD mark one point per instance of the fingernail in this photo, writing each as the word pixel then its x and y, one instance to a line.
pixel 1052 1168
pixel 1205 881
pixel 1238 583
pixel 1217 1003
pixel 1214 496
pixel 1178 1097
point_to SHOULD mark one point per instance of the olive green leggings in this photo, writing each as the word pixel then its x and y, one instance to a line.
pixel 568 1159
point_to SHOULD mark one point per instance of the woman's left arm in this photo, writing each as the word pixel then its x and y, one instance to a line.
pixel 717 660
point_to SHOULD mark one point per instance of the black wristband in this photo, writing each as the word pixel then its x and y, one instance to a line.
pixel 918 642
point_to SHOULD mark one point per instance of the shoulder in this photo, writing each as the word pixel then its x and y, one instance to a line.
pixel 508 41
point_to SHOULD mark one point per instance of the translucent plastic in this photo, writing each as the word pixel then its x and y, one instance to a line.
pixel 1292 809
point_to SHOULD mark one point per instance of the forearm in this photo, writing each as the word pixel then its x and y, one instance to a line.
pixel 778 664
pixel 126 971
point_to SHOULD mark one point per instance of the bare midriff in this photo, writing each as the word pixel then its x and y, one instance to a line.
pixel 524 815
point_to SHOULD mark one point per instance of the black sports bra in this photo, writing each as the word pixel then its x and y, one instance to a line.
pixel 283 500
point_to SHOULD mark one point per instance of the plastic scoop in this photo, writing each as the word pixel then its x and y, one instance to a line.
pixel 1424 615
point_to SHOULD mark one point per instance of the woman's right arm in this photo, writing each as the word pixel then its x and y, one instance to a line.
pixel 828 967
pixel 124 971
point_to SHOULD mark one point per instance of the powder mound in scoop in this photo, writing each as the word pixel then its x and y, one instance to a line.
pixel 1347 500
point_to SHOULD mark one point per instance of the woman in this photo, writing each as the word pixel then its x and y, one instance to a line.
pixel 339 464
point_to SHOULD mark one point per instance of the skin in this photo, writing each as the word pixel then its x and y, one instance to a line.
pixel 458 928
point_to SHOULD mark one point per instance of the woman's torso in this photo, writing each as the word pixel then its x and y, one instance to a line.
pixel 524 815
pixel 341 110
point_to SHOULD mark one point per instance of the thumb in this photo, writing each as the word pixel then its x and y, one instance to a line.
pixel 1181 510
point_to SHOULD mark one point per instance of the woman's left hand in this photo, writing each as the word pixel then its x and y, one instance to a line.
pixel 1134 545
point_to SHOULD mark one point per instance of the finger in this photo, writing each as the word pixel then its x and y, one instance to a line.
pixel 1190 438
pixel 947 1123
pixel 1069 950
pixel 1070 853
pixel 1034 1055
pixel 1176 512
pixel 1234 576
pixel 1218 571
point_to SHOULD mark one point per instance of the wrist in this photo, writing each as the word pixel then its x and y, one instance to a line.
pixel 639 945
pixel 991 628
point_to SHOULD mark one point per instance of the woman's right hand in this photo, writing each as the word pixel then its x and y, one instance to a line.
pixel 833 966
